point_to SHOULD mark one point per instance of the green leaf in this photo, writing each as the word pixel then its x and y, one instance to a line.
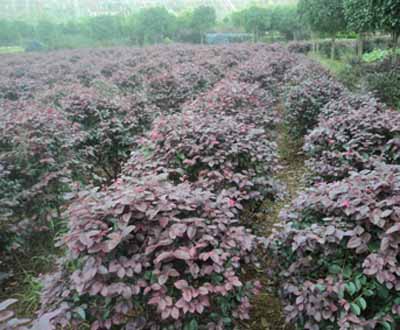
pixel 369 293
pixel 383 292
pixel 193 325
pixel 347 272
pixel 341 293
pixel 357 282
pixel 351 288
pixel 387 326
pixel 355 309
pixel 81 312
pixel 373 247
pixel 214 316
pixel 362 303
pixel 335 269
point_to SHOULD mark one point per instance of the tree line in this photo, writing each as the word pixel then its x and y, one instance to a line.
pixel 331 17
pixel 309 19
pixel 152 25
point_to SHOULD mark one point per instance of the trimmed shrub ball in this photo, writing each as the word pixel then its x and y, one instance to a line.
pixel 353 142
pixel 145 251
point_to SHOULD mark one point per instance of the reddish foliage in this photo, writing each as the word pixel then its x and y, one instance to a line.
pixel 337 253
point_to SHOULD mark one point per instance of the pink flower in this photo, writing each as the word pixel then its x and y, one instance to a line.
pixel 155 135
pixel 348 153
pixel 232 203
pixel 346 204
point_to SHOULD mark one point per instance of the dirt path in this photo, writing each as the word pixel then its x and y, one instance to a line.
pixel 267 312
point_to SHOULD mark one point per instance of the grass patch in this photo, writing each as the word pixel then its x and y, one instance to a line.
pixel 24 282
pixel 267 312
pixel 334 66
pixel 11 50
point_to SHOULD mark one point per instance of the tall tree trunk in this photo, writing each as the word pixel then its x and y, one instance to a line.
pixel 396 36
pixel 314 43
pixel 333 48
pixel 360 44
pixel 255 35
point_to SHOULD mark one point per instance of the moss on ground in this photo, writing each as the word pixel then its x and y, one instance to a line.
pixel 267 313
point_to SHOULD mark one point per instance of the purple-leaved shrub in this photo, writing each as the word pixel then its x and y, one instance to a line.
pixel 146 242
pixel 300 47
pixel 337 253
pixel 36 156
pixel 304 102
pixel 170 89
pixel 353 141
pixel 109 126
pixel 8 321
pixel 245 102
pixel 349 102
pixel 213 152
pixel 305 69
pixel 267 68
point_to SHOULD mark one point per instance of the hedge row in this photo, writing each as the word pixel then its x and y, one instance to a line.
pixel 162 247
pixel 308 89
pixel 342 47
pixel 337 249
pixel 69 120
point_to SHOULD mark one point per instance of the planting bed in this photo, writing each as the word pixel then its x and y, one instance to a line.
pixel 159 173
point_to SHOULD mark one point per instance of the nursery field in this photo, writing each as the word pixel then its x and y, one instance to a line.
pixel 195 187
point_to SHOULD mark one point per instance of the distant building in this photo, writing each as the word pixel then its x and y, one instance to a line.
pixel 10 9
pixel 22 8
pixel 108 7
pixel 77 8
pixel 227 38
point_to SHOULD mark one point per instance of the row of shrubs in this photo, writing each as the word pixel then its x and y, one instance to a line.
pixel 336 251
pixel 343 47
pixel 69 120
pixel 162 246
pixel 379 76
pixel 155 241
pixel 159 244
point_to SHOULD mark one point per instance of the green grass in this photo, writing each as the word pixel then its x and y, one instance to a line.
pixel 11 50
pixel 24 284
pixel 379 55
pixel 29 297
pixel 334 66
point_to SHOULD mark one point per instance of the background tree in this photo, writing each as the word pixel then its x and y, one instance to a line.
pixel 255 20
pixel 360 18
pixel 104 27
pixel 46 31
pixel 285 20
pixel 388 18
pixel 7 33
pixel 203 19
pixel 183 30
pixel 154 24
pixel 325 17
